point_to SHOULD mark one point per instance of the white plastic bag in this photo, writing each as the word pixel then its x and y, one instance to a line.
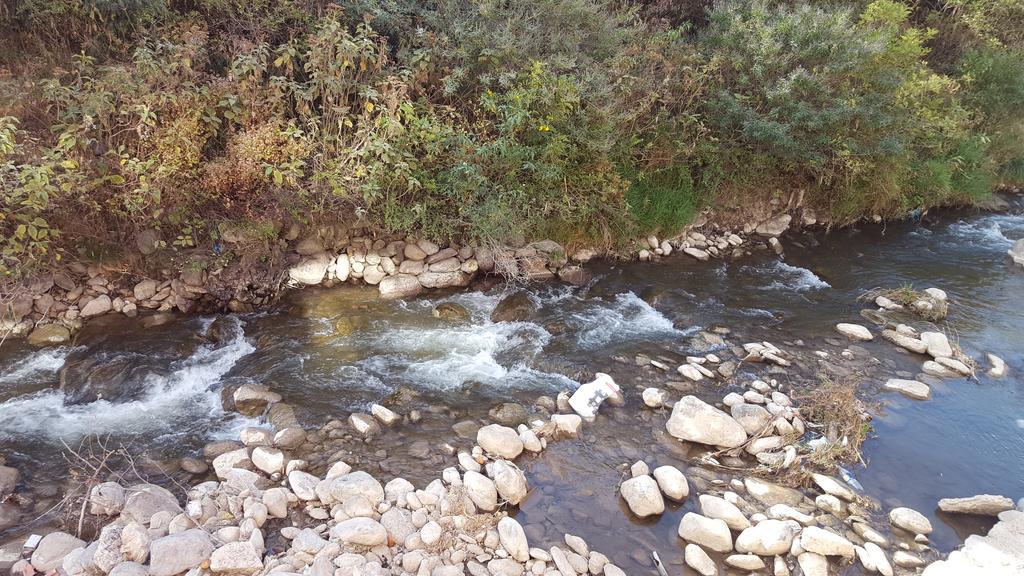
pixel 588 397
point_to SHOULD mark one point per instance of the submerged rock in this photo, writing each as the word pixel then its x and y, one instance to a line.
pixel 516 307
pixel 854 331
pixel 910 388
pixel 451 311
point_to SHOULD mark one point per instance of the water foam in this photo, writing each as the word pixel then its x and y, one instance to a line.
pixel 627 317
pixel 41 364
pixel 186 399
pixel 791 278
pixel 450 356
pixel 990 230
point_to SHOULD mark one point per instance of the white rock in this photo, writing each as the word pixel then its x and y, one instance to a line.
pixel 481 490
pixel 500 441
pixel 834 487
pixel 654 397
pixel 933 368
pixel 267 459
pixel 179 552
pixel 513 539
pixel 509 481
pixel 910 388
pixel 672 482
pixel 531 443
pixel 695 421
pixel 821 541
pixel 233 459
pixel 910 520
pixel 748 562
pixel 236 558
pixel 303 484
pixel 386 416
pixel 364 424
pixel 715 507
pixel 360 531
pixel 707 532
pixel 937 344
pixel 878 559
pixel 981 505
pixel 567 424
pixel 699 560
pixel 690 372
pixel 310 271
pixel 768 538
pixel 643 496
pixel 854 331
pixel 905 559
pixel 754 419
pixel 51 550
pixel 354 484
pixel 813 564
pixel 786 512
pixel 998 369
pixel 905 341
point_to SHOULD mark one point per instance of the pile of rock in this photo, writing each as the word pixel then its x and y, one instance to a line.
pixel 266 514
pixel 404 267
pixel 695 244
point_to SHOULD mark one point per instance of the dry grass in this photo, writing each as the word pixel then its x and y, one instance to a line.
pixel 844 420
pixel 906 296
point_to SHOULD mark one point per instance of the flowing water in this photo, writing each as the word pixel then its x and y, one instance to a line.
pixel 968 439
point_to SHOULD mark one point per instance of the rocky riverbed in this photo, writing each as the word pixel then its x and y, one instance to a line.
pixel 454 393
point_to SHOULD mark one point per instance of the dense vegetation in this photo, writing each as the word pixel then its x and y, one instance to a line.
pixel 575 119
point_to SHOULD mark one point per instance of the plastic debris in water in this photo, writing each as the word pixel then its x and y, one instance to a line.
pixel 588 397
pixel 658 563
pixel 849 479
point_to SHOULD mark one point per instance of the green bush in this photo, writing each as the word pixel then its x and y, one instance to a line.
pixel 582 120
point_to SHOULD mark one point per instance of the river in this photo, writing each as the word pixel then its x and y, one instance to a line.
pixel 967 439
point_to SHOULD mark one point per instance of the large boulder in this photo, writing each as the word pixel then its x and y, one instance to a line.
pixel 310 271
pixel 436 279
pixel 707 532
pixel 236 558
pixel 357 483
pixel 499 440
pixel 179 552
pixel 400 286
pixel 360 531
pixel 694 420
pixel 97 306
pixel 774 226
pixel 145 500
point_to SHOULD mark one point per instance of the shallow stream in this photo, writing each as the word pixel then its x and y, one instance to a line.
pixel 967 439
